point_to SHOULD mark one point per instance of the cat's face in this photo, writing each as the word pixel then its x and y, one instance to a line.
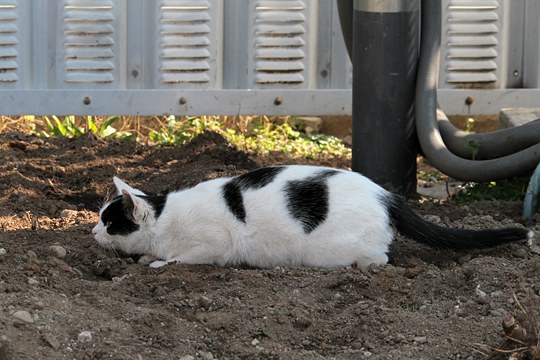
pixel 125 221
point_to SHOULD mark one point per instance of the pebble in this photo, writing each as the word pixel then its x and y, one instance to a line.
pixel 420 339
pixel 58 251
pixel 31 254
pixel 32 281
pixel 51 340
pixel 535 249
pixel 67 213
pixel 187 357
pixel 521 253
pixel 84 337
pixel 206 355
pixel 23 316
pixel 3 251
pixel 255 342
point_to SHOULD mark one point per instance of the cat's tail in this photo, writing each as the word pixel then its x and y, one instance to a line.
pixel 415 227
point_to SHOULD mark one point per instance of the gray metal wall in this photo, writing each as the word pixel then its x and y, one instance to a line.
pixel 275 57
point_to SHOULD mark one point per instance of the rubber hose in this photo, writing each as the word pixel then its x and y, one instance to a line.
pixel 487 145
pixel 426 110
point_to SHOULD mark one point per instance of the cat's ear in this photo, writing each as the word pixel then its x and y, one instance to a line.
pixel 135 207
pixel 120 186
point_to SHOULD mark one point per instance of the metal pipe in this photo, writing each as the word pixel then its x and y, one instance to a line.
pixel 385 54
pixel 426 108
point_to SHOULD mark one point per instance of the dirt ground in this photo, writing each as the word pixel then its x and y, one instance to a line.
pixel 87 303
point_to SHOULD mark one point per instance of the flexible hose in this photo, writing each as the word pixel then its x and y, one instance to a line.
pixel 487 145
pixel 426 110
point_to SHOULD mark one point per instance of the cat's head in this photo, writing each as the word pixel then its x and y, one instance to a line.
pixel 125 222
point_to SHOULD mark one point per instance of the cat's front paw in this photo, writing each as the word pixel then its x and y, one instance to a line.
pixel 157 264
pixel 147 259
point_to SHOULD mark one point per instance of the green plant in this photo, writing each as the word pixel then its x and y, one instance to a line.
pixel 262 136
pixel 509 190
pixel 69 127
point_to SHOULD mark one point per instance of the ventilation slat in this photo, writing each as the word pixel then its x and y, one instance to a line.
pixel 9 53
pixel 185 42
pixel 471 42
pixel 280 42
pixel 89 42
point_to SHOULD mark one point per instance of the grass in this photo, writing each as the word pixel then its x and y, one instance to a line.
pixel 257 135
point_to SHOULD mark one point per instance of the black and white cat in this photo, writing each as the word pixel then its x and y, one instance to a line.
pixel 276 216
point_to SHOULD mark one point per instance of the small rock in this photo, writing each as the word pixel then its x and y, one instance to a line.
pixel 3 251
pixel 23 316
pixel 481 294
pixel 204 302
pixel 367 354
pixel 31 254
pixel 32 281
pixel 58 251
pixel 206 355
pixel 68 213
pixel 84 337
pixel 535 249
pixel 255 342
pixel 464 259
pixel 420 339
pixel 51 341
pixel 187 357
pixel 521 253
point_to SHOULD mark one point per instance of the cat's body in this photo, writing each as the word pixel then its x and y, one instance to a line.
pixel 286 216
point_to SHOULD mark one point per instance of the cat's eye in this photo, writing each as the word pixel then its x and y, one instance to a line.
pixel 108 223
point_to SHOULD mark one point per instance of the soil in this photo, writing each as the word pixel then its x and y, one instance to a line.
pixel 63 297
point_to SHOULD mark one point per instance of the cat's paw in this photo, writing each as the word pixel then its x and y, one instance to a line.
pixel 147 259
pixel 158 263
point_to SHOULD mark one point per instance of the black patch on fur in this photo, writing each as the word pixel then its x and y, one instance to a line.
pixel 117 220
pixel 119 216
pixel 307 200
pixel 157 202
pixel 232 190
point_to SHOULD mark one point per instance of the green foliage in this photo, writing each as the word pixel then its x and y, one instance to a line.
pixel 181 131
pixel 509 190
pixel 69 128
pixel 262 137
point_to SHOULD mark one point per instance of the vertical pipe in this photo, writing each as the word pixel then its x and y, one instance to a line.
pixel 385 53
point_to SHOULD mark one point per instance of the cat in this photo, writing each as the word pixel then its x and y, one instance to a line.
pixel 294 215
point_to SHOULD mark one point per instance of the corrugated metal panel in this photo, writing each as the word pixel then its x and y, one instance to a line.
pixel 188 43
pixel 9 41
pixel 90 42
pixel 471 43
pixel 280 43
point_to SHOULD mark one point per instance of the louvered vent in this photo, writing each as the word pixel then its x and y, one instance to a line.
pixel 89 41
pixel 472 43
pixel 280 42
pixel 185 42
pixel 8 42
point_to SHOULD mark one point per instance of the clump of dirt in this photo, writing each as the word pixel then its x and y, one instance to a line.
pixel 63 297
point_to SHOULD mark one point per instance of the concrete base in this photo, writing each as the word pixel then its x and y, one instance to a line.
pixel 510 117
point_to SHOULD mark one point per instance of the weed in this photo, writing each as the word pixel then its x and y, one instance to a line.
pixel 70 127
pixel 508 190
pixel 521 333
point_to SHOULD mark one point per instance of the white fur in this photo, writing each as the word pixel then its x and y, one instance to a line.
pixel 196 226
